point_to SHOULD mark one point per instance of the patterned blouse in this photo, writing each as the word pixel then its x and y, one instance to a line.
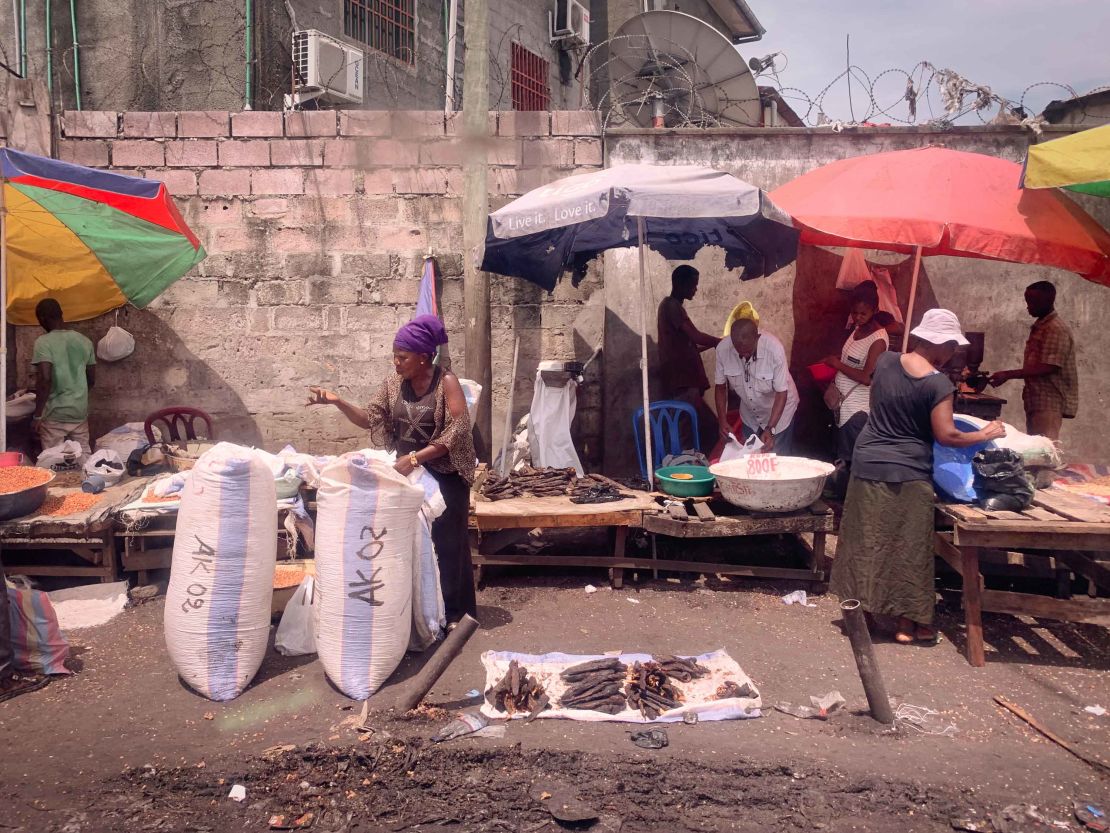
pixel 454 434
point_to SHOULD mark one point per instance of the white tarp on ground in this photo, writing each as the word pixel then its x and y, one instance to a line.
pixel 89 605
pixel 700 694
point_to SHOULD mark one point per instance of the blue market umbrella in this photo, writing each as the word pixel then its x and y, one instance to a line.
pixel 675 210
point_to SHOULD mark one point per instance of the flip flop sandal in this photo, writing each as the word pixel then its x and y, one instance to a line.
pixel 932 638
pixel 24 686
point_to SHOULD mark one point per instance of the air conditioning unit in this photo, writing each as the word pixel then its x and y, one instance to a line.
pixel 569 23
pixel 327 67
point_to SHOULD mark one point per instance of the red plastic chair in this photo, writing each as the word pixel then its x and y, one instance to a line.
pixel 180 424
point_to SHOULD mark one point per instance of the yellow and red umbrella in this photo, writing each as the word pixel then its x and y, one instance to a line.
pixel 1079 162
pixel 92 240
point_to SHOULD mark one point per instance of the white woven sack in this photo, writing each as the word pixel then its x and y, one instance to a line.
pixel 222 575
pixel 428 615
pixel 366 527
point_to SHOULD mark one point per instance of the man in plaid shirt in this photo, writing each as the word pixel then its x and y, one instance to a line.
pixel 1051 380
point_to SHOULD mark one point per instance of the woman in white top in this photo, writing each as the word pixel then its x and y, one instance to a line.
pixel 854 367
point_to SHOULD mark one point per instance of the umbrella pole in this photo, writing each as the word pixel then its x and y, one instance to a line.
pixel 648 465
pixel 909 304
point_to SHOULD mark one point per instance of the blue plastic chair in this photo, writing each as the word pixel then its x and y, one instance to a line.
pixel 665 438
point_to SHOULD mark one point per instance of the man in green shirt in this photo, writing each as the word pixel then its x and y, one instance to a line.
pixel 65 364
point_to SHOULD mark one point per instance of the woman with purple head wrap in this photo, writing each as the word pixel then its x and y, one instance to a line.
pixel 420 413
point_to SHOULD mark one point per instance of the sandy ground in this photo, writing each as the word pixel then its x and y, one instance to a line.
pixel 123 745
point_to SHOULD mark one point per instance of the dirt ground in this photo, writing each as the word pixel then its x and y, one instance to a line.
pixel 123 745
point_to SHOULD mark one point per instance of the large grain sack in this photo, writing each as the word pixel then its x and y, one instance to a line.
pixel 366 526
pixel 222 574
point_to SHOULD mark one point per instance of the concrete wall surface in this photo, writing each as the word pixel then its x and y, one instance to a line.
pixel 316 225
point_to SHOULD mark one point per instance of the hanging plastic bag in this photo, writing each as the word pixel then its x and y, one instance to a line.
pixel 1000 480
pixel 296 635
pixel 116 345
pixel 38 646
pixel 734 449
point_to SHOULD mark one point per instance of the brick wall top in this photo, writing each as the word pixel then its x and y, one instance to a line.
pixel 401 124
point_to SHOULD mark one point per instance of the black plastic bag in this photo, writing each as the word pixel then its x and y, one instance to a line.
pixel 1001 481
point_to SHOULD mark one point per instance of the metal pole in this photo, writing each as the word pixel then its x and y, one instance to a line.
pixel 509 412
pixel 76 54
pixel 856 626
pixel 649 465
pixel 247 49
pixel 478 363
pixel 913 294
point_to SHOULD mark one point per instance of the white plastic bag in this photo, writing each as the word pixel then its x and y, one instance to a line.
pixel 64 455
pixel 222 574
pixel 117 344
pixel 107 464
pixel 734 449
pixel 296 635
pixel 21 405
pixel 472 392
pixel 549 421
pixel 428 614
pixel 366 528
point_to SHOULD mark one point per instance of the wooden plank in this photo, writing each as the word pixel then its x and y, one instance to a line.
pixel 1001 515
pixel 678 511
pixel 56 570
pixel 1072 507
pixel 1038 513
pixel 1091 611
pixel 973 606
pixel 724 527
pixel 1006 535
pixel 963 512
pixel 155 559
pixel 1086 566
pixel 949 552
pixel 560 521
pixel 704 513
pixel 633 563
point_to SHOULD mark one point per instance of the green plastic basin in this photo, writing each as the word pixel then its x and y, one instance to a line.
pixel 700 486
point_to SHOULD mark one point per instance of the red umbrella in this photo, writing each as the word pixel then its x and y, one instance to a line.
pixel 935 201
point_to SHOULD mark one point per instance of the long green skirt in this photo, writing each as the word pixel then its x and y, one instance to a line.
pixel 884 553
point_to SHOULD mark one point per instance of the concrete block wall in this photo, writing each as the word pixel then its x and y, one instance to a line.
pixel 316 225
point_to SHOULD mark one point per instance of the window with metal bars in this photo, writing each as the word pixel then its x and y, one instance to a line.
pixel 385 25
pixel 529 80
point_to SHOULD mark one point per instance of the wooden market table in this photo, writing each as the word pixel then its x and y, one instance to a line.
pixel 89 535
pixel 1070 532
pixel 719 519
pixel 559 513
pixel 643 511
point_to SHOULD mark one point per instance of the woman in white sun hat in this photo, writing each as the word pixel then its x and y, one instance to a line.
pixel 884 557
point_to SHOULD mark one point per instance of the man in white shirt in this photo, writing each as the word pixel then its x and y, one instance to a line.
pixel 754 365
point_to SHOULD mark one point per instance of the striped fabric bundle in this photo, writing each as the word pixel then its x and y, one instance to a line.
pixel 221 581
pixel 366 535
pixel 38 646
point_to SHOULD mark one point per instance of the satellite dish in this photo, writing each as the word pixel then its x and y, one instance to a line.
pixel 672 69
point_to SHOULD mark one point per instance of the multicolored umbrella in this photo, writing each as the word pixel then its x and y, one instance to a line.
pixel 1079 162
pixel 91 239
